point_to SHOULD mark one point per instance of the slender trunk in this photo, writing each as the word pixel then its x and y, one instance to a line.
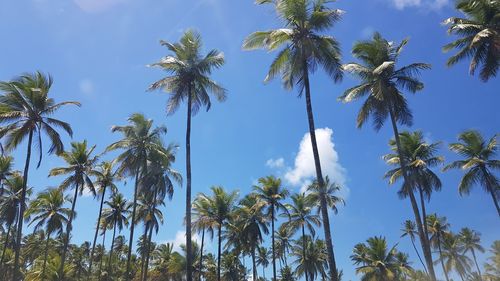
pixel 441 258
pixel 254 272
pixel 272 241
pixel 304 247
pixel 424 213
pixel 264 272
pixel 5 244
pixel 111 250
pixel 495 201
pixel 148 253
pixel 423 241
pixel 132 226
pixel 477 265
pixel 96 231
pixel 21 211
pixel 103 252
pixel 219 252
pixel 319 176
pixel 418 255
pixel 189 259
pixel 68 233
pixel 45 256
pixel 143 256
pixel 491 188
pixel 201 252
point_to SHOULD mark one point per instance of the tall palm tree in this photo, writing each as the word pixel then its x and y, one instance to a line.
pixel 283 243
pixel 479 163
pixel 80 168
pixel 304 49
pixel 383 83
pixel 420 158
pixel 106 177
pixel 409 230
pixel 189 81
pixel 492 267
pixel 270 191
pixel 202 221
pixel 26 110
pixel 377 262
pixel 333 200
pixel 311 261
pixel 471 242
pixel 48 210
pixel 140 139
pixel 479 34
pixel 262 259
pixel 300 217
pixel 453 255
pixel 438 228
pixel 6 163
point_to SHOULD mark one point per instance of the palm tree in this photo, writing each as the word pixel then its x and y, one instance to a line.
pixel 48 210
pixel 106 177
pixel 6 163
pixel 300 216
pixel 140 139
pixel 479 36
pixel 283 242
pixel 471 241
pixel 438 228
pixel 420 158
pixel 116 214
pixel 262 259
pixel 492 267
pixel 478 163
pixel 377 262
pixel 189 81
pixel 311 261
pixel 272 193
pixel 203 222
pixel 314 191
pixel 383 84
pixel 453 255
pixel 304 49
pixel 409 230
pixel 26 110
pixel 80 168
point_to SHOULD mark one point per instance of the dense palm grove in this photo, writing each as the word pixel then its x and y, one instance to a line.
pixel 270 227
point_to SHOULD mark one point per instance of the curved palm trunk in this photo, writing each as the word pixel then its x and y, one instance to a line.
pixel 423 241
pixel 45 255
pixel 111 250
pixel 219 251
pixel 441 259
pixel 148 254
pixel 418 255
pixel 254 272
pixel 319 176
pixel 189 259
pixel 201 253
pixel 132 226
pixel 272 241
pixel 22 209
pixel 96 231
pixel 103 253
pixel 424 213
pixel 68 233
pixel 477 265
pixel 5 244
pixel 304 247
pixel 491 188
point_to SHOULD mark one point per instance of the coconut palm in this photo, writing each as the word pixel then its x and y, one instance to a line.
pixel 383 84
pixel 48 211
pixel 333 200
pixel 492 267
pixel 300 217
pixel 26 110
pixel 410 231
pixel 452 255
pixel 270 191
pixel 140 139
pixel 202 221
pixel 479 163
pixel 116 214
pixel 479 36
pixel 6 163
pixel 106 177
pixel 471 242
pixel 80 168
pixel 262 259
pixel 283 242
pixel 189 81
pixel 438 228
pixel 311 261
pixel 304 48
pixel 377 262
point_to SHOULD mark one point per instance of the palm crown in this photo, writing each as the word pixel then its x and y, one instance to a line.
pixel 48 210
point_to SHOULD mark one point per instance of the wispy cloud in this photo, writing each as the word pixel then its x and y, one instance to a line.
pixel 180 239
pixel 276 163
pixel 426 4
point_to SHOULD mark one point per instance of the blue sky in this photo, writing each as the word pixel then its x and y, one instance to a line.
pixel 97 51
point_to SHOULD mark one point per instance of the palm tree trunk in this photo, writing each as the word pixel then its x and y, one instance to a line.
pixel 441 258
pixel 96 231
pixel 495 201
pixel 103 253
pixel 424 213
pixel 189 259
pixel 21 210
pixel 491 188
pixel 111 250
pixel 254 272
pixel 304 247
pixel 201 252
pixel 423 241
pixel 477 265
pixel 148 253
pixel 45 255
pixel 5 244
pixel 132 226
pixel 272 241
pixel 319 176
pixel 143 257
pixel 418 255
pixel 219 251
pixel 68 233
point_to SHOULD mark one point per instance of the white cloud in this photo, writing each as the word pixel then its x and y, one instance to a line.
pixel 86 87
pixel 276 163
pixel 180 238
pixel 96 6
pixel 304 170
pixel 426 4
